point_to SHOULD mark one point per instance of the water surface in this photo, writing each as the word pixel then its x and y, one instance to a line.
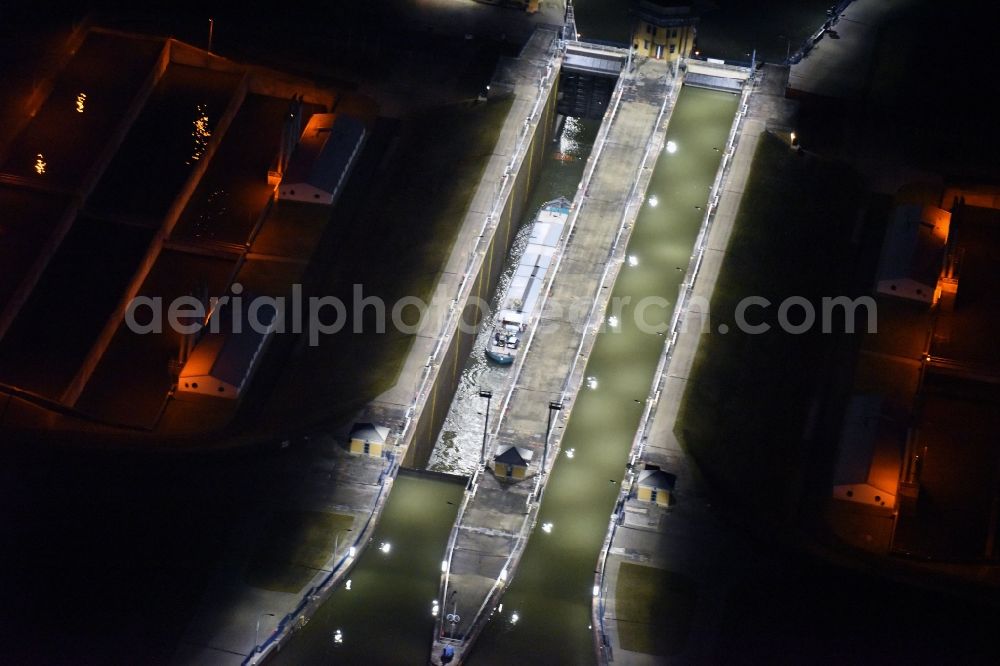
pixel 552 588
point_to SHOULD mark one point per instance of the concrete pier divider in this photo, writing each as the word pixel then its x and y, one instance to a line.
pixel 601 643
pixel 574 376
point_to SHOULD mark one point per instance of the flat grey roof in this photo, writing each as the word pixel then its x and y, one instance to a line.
pixel 857 440
pixel 324 151
pixel 912 248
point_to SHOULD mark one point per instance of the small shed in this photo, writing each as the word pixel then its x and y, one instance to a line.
pixel 869 454
pixel 655 485
pixel 323 158
pixel 368 439
pixel 224 359
pixel 913 253
pixel 511 462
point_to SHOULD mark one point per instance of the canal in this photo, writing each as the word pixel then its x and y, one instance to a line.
pixel 391 593
pixel 457 450
pixel 545 616
pixel 394 584
pixel 382 613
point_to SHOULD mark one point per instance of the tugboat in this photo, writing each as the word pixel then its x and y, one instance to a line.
pixel 519 302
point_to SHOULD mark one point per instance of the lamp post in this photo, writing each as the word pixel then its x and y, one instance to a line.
pixel 628 59
pixel 486 422
pixel 256 634
pixel 211 29
pixel 453 616
pixel 553 407
pixel 336 539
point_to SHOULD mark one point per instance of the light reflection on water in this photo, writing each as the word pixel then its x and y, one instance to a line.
pixel 459 445
pixel 552 587
pixel 384 613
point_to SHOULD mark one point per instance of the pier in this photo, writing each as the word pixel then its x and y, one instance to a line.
pixel 497 516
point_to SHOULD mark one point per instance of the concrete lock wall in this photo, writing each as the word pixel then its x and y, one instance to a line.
pixel 453 360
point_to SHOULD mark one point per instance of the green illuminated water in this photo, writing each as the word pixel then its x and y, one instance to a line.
pixel 385 616
pixel 552 589
pixel 391 593
pixel 458 448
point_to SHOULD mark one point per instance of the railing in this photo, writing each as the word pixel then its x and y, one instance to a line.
pixel 519 364
pixel 316 595
pixel 811 41
pixel 569 21
pixel 659 377
pixel 594 46
pixel 727 65
pixel 312 598
pixel 597 619
pixel 535 497
pixel 626 215
pixel 478 255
